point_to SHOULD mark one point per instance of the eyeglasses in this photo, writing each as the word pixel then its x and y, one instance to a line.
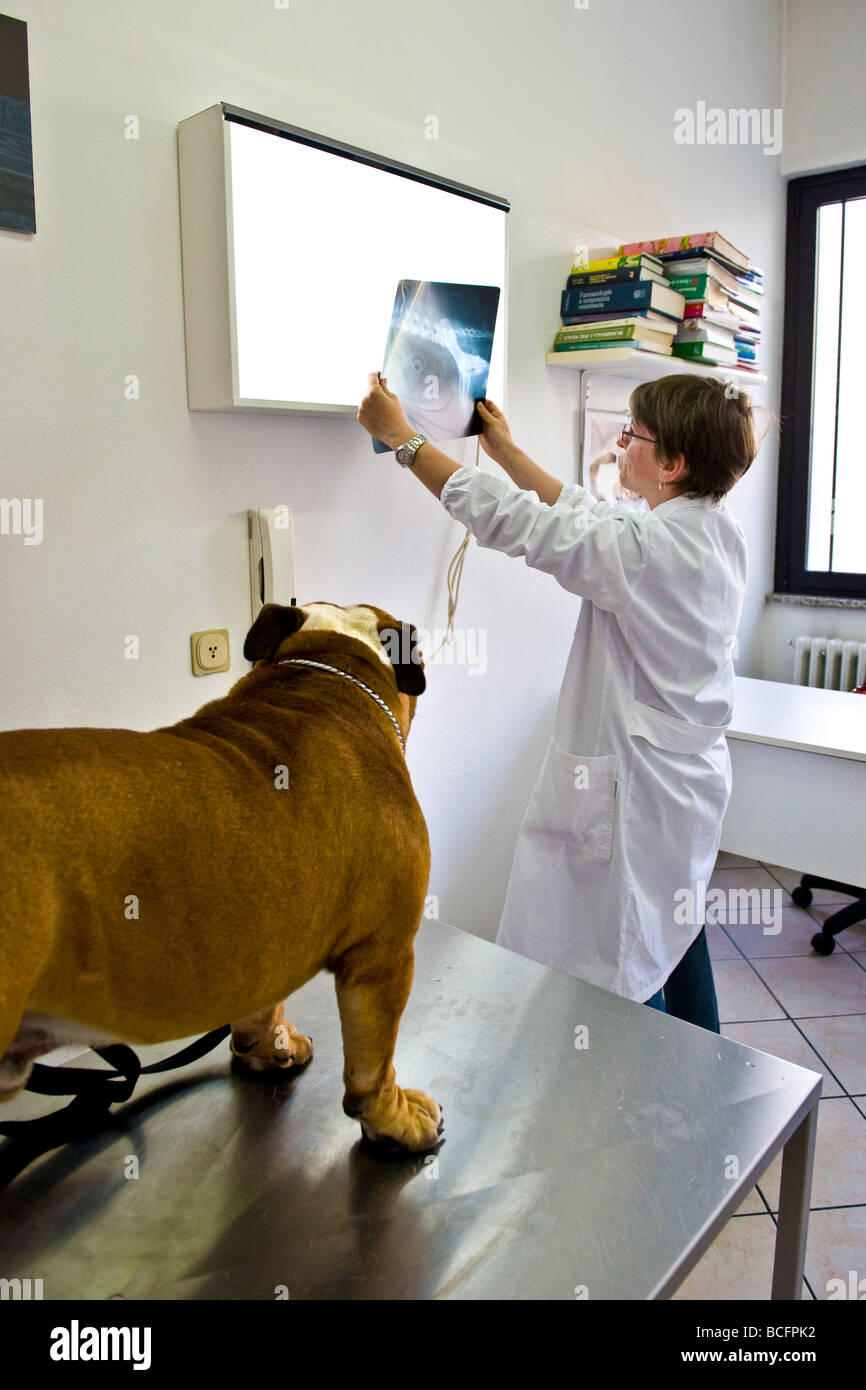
pixel 627 434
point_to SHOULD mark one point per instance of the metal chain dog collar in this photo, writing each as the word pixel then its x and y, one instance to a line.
pixel 305 661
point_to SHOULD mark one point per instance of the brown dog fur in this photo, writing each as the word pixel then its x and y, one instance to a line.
pixel 245 890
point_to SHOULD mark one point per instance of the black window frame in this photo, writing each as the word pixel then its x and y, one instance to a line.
pixel 805 195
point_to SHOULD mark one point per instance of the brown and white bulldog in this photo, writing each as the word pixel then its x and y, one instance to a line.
pixel 158 885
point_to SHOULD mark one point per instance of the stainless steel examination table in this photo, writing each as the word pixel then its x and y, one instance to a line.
pixel 599 1170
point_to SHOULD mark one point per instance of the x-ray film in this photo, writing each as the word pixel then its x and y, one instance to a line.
pixel 437 358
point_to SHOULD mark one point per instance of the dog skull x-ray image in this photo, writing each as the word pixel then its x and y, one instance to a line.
pixel 437 359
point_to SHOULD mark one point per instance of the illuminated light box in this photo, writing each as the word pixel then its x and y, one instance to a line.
pixel 292 248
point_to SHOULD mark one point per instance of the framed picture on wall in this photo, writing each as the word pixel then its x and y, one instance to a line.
pixel 17 202
pixel 600 463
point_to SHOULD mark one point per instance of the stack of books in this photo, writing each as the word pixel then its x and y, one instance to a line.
pixel 616 305
pixel 722 292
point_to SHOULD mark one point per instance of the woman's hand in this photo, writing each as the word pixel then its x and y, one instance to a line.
pixel 382 415
pixel 496 439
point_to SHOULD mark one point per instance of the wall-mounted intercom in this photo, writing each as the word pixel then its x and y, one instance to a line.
pixel 272 557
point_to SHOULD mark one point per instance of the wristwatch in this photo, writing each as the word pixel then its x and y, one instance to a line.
pixel 405 455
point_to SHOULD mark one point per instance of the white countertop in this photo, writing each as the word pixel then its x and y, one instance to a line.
pixel 832 722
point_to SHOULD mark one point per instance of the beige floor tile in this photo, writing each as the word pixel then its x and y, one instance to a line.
pixel 748 876
pixel 741 995
pixel 790 931
pixel 720 945
pixel 739 1264
pixel 752 1204
pixel 732 861
pixel 783 1039
pixel 836 1251
pixel 842 1044
pixel 839 1171
pixel 809 986
pixel 852 938
pixel 789 879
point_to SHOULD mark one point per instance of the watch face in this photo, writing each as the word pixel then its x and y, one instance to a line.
pixel 406 452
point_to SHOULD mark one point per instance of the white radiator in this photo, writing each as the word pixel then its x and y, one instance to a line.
pixel 829 662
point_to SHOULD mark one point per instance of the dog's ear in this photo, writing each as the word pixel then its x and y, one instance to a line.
pixel 401 647
pixel 273 625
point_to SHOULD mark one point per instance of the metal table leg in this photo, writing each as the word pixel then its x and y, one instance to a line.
pixel 793 1220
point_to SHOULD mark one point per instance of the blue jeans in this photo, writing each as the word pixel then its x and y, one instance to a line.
pixel 689 992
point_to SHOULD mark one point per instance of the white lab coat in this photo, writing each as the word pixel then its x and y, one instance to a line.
pixel 628 807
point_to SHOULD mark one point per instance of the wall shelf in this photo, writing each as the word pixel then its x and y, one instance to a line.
pixel 648 365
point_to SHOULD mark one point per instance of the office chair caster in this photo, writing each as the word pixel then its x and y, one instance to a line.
pixel 823 944
pixel 824 941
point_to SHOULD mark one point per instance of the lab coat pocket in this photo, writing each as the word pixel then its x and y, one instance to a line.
pixel 573 801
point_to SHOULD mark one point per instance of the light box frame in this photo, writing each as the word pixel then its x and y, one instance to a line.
pixel 205 189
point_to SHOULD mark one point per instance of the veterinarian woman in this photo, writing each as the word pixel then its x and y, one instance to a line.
pixel 623 827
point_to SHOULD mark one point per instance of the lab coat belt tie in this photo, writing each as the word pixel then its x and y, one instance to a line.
pixel 671 733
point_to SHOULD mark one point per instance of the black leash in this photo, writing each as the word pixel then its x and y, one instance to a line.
pixel 94 1093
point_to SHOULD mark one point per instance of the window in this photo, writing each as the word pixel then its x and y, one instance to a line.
pixel 821 531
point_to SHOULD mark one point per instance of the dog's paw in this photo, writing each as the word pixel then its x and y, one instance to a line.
pixel 412 1121
pixel 286 1047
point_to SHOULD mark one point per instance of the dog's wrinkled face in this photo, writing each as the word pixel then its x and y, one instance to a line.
pixel 394 643
pixel 357 621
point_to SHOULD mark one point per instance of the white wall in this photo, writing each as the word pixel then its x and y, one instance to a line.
pixel 568 113
pixel 825 51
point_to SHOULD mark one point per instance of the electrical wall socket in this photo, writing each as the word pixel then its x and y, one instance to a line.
pixel 210 651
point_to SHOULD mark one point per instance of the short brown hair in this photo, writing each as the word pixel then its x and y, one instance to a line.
pixel 707 420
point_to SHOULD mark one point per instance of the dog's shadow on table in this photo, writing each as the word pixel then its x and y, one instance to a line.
pixel 62 1160
pixel 329 1225
pixel 277 1201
